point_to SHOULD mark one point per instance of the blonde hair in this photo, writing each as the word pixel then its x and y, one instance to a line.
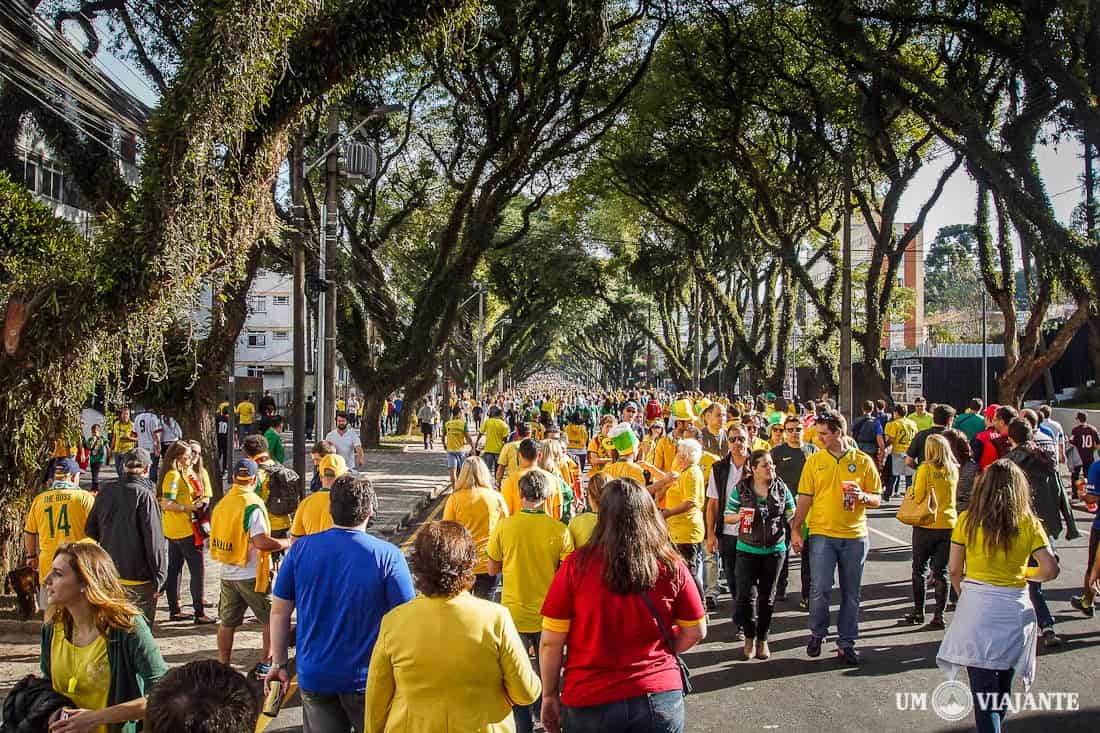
pixel 998 506
pixel 168 462
pixel 474 473
pixel 551 455
pixel 607 420
pixel 937 452
pixel 97 571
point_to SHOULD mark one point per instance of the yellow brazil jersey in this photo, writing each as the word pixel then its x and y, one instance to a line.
pixel 577 435
pixel 941 483
pixel 530 545
pixel 509 489
pixel 625 469
pixel 81 673
pixel 246 411
pixel 509 458
pixel 601 446
pixel 176 486
pixel 581 528
pixel 901 432
pixel 688 527
pixel 479 510
pixel 821 479
pixel 341 405
pixel 122 439
pixel 997 567
pixel 57 517
pixel 665 455
pixel 538 432
pixel 313 515
pixel 496 432
pixel 455 430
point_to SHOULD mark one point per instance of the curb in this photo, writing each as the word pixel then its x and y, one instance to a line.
pixel 426 499
pixel 12 626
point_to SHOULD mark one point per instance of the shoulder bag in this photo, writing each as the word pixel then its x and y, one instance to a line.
pixel 685 671
pixel 917 514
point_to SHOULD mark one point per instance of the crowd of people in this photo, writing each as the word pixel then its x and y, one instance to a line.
pixel 523 587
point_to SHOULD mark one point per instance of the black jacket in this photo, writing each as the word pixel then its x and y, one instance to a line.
pixel 126 521
pixel 1048 497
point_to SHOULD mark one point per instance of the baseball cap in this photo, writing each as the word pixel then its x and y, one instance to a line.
pixel 245 469
pixel 632 405
pixel 991 412
pixel 137 458
pixel 65 467
pixel 333 462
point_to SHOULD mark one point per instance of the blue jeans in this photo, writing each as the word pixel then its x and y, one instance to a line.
pixel 525 714
pixel 848 556
pixel 1043 615
pixel 657 712
pixel 996 681
pixel 490 460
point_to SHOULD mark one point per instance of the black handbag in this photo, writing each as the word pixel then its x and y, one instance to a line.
pixel 685 671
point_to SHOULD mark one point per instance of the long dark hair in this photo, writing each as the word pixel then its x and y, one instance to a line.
pixel 631 538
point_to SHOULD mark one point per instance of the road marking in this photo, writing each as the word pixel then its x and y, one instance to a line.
pixel 893 539
pixel 431 518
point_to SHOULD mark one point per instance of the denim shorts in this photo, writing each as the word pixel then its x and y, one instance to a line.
pixel 455 458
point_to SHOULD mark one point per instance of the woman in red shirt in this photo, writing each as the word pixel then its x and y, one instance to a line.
pixel 621 675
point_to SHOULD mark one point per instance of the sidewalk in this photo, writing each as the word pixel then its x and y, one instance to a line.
pixel 406 482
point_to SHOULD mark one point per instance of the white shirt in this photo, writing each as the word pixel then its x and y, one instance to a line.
pixel 146 425
pixel 731 482
pixel 346 444
pixel 170 430
pixel 1055 429
pixel 257 526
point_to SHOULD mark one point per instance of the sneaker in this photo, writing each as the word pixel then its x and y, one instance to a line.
pixel 848 655
pixel 913 619
pixel 1050 638
pixel 740 635
pixel 1078 602
pixel 813 649
pixel 262 669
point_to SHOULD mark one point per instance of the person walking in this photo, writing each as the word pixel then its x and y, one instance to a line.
pixel 763 506
pixel 347 442
pixel 616 612
pixel 838 483
pixel 721 537
pixel 899 433
pixel 126 522
pixel 96 647
pixel 341 582
pixel 478 507
pixel 790 458
pixel 427 428
pixel 496 433
pixel 123 438
pixel 274 440
pixel 997 547
pixel 487 670
pixel 1084 439
pixel 683 498
pixel 98 454
pixel 58 515
pixel 457 440
pixel 528 547
pixel 314 514
pixel 583 525
pixel 935 482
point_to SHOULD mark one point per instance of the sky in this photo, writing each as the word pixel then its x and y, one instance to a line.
pixel 1061 167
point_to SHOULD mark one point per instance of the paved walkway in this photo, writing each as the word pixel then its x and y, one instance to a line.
pixel 407 483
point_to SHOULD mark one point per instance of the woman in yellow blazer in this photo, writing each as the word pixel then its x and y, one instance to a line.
pixel 486 670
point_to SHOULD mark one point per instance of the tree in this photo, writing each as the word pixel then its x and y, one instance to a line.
pixel 951 276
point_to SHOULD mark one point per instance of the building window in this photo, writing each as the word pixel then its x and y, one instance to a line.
pixel 254 370
pixel 280 300
pixel 257 304
pixel 257 339
pixel 51 184
pixel 30 177
pixel 281 335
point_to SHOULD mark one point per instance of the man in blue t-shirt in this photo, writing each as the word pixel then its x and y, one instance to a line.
pixel 342 581
pixel 1084 602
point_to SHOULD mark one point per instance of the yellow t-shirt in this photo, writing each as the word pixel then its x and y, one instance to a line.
pixel 665 454
pixel 689 527
pixel 706 462
pixel 341 405
pixel 57 517
pixel 455 431
pixel 509 458
pixel 479 510
pixel 581 528
pixel 821 479
pixel 999 567
pixel 901 431
pixel 81 673
pixel 538 432
pixel 245 412
pixel 531 545
pixel 313 515
pixel 121 439
pixel 940 482
pixel 176 486
pixel 625 469
pixel 760 444
pixel 577 435
pixel 509 489
pixel 496 432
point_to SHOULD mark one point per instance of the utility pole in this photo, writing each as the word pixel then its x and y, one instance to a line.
pixel 985 355
pixel 332 194
pixel 297 183
pixel 845 401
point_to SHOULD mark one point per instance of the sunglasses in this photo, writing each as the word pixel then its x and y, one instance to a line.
pixel 794 430
pixel 737 439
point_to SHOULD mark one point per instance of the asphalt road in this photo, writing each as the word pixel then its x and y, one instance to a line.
pixel 792 693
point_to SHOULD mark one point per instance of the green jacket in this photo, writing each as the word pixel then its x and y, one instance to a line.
pixel 274 445
pixel 136 665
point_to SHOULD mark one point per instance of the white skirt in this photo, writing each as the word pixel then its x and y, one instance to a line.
pixel 993 628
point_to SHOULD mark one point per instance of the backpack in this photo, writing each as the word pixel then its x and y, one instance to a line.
pixel 282 489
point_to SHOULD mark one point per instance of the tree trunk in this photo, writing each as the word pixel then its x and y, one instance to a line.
pixel 1094 345
pixel 369 432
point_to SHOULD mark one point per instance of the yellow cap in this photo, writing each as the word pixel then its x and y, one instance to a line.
pixel 683 410
pixel 333 462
